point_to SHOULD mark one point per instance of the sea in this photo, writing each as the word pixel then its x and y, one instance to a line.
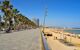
pixel 74 31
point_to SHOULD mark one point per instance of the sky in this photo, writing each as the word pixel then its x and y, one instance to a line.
pixel 61 13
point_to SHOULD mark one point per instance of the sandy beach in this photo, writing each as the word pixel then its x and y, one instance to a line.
pixel 55 43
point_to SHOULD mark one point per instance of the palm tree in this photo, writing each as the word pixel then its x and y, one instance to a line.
pixel 6 7
pixel 15 13
pixel 10 13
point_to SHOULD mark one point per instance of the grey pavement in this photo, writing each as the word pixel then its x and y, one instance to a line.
pixel 1 32
pixel 22 40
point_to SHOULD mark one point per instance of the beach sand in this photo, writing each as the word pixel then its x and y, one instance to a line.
pixel 55 44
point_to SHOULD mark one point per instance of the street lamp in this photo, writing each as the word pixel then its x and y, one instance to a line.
pixel 45 19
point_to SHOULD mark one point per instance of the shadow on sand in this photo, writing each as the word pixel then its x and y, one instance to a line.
pixel 66 43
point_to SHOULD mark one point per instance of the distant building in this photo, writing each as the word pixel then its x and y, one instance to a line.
pixel 36 21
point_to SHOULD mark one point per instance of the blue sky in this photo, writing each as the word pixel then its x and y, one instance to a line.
pixel 63 13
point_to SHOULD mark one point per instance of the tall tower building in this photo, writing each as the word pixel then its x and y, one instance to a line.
pixel 38 22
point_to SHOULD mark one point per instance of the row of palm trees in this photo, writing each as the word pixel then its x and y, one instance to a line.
pixel 12 16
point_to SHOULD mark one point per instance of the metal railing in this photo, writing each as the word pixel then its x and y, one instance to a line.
pixel 44 43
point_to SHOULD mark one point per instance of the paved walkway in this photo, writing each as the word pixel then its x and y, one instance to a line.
pixel 22 40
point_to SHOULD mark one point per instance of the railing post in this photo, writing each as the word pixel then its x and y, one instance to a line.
pixel 44 42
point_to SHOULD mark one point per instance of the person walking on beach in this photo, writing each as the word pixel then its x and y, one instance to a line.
pixel 55 38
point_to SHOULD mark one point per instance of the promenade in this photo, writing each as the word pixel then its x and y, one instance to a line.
pixel 22 40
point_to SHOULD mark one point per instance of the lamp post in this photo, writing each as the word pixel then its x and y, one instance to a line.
pixel 44 19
